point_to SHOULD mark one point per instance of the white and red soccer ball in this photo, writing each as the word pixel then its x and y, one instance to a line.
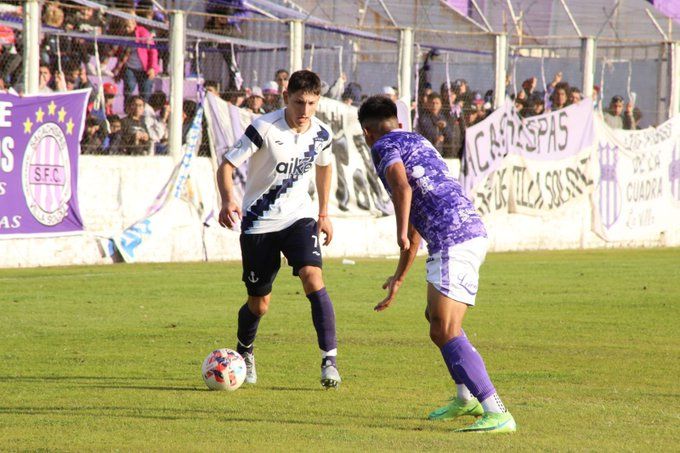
pixel 224 369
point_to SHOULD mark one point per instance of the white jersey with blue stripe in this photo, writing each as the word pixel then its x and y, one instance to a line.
pixel 280 168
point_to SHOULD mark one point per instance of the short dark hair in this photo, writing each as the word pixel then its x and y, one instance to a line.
pixel 157 100
pixel 279 71
pixel 305 81
pixel 377 109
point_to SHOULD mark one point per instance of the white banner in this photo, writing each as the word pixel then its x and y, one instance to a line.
pixel 550 137
pixel 179 205
pixel 529 165
pixel 638 190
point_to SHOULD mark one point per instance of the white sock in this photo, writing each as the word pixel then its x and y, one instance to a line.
pixel 331 353
pixel 463 393
pixel 494 404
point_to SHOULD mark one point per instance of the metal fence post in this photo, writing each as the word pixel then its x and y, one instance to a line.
pixel 673 78
pixel 176 70
pixel 500 61
pixel 588 65
pixel 31 42
pixel 405 64
pixel 296 45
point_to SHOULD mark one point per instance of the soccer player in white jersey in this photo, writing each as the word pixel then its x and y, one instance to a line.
pixel 429 202
pixel 284 148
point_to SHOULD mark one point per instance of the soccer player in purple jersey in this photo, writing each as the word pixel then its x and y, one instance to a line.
pixel 430 203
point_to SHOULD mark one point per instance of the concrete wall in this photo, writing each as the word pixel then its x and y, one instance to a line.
pixel 115 192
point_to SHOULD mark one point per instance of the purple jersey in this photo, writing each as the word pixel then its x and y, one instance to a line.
pixel 440 211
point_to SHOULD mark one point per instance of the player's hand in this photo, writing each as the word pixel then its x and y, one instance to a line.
pixel 404 244
pixel 230 214
pixel 392 286
pixel 325 226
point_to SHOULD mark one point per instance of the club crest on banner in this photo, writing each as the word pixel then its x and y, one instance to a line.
pixel 46 175
pixel 674 174
pixel 609 188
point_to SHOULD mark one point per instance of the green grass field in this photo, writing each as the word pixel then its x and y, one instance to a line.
pixel 583 346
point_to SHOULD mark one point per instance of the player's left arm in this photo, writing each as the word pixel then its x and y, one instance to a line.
pixel 406 258
pixel 401 198
pixel 324 173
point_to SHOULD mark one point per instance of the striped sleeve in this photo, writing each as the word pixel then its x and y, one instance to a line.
pixel 245 146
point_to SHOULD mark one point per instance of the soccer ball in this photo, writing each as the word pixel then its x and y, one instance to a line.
pixel 224 369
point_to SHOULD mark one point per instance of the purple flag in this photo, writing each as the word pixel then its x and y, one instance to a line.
pixel 39 147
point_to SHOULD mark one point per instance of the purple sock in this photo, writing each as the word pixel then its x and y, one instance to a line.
pixel 323 317
pixel 247 330
pixel 467 367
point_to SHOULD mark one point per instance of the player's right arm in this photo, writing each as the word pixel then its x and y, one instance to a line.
pixel 245 147
pixel 230 210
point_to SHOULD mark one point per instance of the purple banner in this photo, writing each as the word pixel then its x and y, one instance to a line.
pixel 39 147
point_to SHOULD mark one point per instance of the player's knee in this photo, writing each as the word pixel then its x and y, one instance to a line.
pixel 312 279
pixel 442 331
pixel 427 314
pixel 259 305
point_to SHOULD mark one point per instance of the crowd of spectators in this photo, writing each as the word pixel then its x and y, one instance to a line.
pixel 134 120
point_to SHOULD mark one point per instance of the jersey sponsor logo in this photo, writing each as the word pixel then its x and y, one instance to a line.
pixel 296 167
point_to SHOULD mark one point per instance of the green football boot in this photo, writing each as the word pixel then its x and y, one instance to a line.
pixel 492 422
pixel 457 408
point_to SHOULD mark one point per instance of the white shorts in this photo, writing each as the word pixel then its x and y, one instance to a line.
pixel 454 271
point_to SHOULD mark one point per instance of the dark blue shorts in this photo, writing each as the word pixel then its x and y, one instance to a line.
pixel 261 254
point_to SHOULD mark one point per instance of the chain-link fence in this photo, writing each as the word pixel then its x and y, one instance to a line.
pixel 124 56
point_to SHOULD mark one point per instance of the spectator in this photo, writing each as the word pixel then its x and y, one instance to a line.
pixel 189 108
pixel 73 78
pixel 84 20
pixel 135 137
pixel 255 101
pixel 113 143
pixel 352 94
pixel 334 91
pixel 637 116
pixel 110 92
pixel 271 96
pixel 236 97
pixel 520 105
pixel 212 86
pixel 137 66
pixel 45 79
pixel 535 105
pixel 613 116
pixel 156 115
pixel 91 142
pixel 575 95
pixel 630 122
pixel 559 98
pixel 529 86
pixel 476 110
pixel 390 92
pixel 431 122
pixel 281 78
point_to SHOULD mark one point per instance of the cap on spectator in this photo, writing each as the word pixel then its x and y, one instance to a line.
pixel 270 87
pixel 477 98
pixel 256 91
pixel 388 90
pixel 110 89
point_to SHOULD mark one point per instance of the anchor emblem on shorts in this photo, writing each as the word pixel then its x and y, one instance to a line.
pixel 252 278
